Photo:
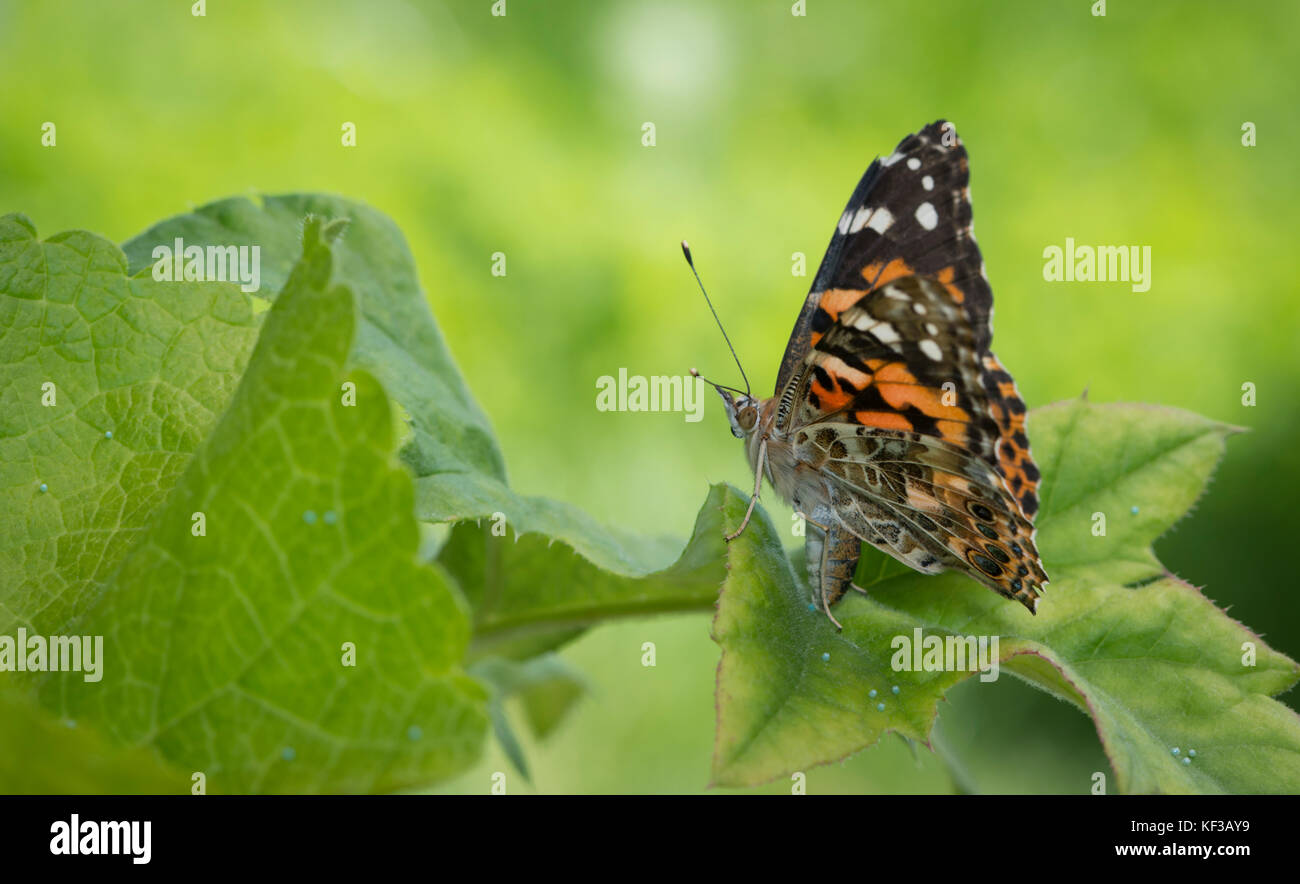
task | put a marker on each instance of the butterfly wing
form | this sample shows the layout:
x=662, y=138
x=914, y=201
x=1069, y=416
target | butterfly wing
x=928, y=503
x=889, y=388
x=910, y=214
x=1014, y=461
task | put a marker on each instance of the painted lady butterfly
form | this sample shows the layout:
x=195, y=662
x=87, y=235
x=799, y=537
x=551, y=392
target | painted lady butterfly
x=892, y=422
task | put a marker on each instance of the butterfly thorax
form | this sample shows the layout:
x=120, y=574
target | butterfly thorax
x=796, y=481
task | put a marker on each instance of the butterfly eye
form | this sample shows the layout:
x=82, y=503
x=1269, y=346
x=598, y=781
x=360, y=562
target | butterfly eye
x=747, y=417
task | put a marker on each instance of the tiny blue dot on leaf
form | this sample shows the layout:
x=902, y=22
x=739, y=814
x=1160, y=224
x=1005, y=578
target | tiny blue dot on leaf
x=1134, y=511
x=880, y=707
x=1187, y=761
x=330, y=517
x=826, y=657
x=44, y=488
x=108, y=434
x=1173, y=751
x=1191, y=753
x=812, y=607
x=872, y=693
x=309, y=517
x=894, y=690
x=287, y=753
x=414, y=733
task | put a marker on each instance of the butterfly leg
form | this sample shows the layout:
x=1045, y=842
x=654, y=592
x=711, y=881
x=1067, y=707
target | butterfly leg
x=758, y=487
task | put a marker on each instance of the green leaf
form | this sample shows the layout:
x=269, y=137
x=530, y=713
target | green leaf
x=459, y=471
x=452, y=451
x=554, y=689
x=155, y=364
x=110, y=386
x=1057, y=750
x=309, y=543
x=531, y=594
x=44, y=755
x=1153, y=661
x=547, y=687
x=458, y=468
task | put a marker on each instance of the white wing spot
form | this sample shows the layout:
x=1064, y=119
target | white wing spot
x=931, y=349
x=885, y=333
x=844, y=222
x=913, y=164
x=931, y=328
x=881, y=220
x=919, y=308
x=927, y=216
x=860, y=219
x=927, y=182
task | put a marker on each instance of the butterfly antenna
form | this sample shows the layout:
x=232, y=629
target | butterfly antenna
x=686, y=250
x=696, y=374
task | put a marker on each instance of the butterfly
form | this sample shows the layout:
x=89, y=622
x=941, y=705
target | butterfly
x=892, y=422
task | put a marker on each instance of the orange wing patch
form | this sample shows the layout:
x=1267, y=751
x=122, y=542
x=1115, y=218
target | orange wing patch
x=836, y=301
x=832, y=303
x=885, y=420
x=945, y=277
x=877, y=274
x=902, y=393
x=832, y=400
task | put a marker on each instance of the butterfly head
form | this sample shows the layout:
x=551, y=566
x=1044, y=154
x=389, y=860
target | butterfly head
x=742, y=408
x=742, y=411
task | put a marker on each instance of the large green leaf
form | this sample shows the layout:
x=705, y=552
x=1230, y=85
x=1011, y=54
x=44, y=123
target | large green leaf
x=397, y=339
x=144, y=373
x=110, y=384
x=1155, y=663
x=43, y=755
x=225, y=649
x=530, y=594
x=458, y=468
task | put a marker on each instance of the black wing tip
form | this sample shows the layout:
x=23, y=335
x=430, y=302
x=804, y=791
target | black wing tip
x=942, y=133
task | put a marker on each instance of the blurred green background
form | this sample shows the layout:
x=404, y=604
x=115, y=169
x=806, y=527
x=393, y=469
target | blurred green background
x=523, y=134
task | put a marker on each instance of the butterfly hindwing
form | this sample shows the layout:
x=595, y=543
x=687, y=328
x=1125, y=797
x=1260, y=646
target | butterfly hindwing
x=1008, y=410
x=927, y=503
